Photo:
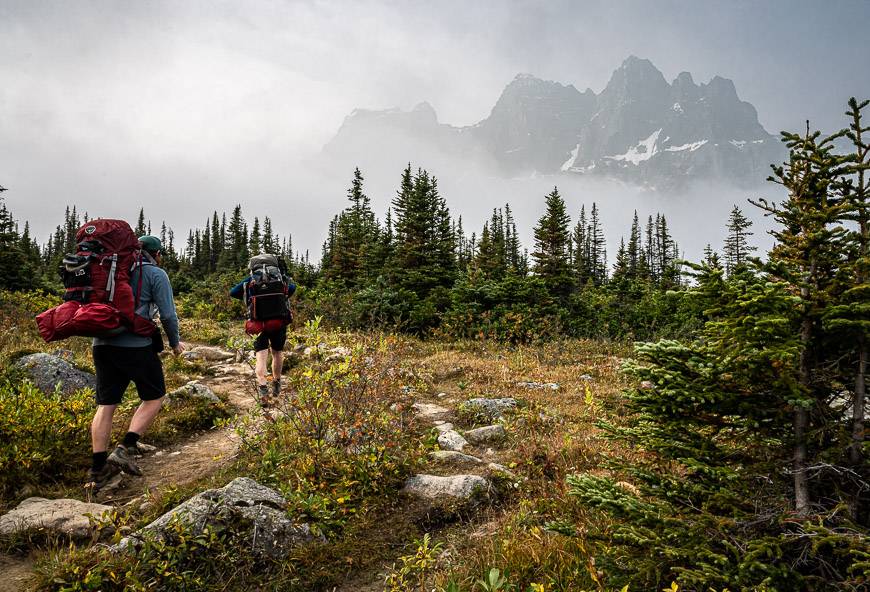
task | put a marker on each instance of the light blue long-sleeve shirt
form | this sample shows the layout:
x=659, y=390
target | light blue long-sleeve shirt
x=156, y=297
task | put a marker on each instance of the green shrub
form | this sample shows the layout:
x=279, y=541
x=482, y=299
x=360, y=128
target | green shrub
x=182, y=560
x=43, y=436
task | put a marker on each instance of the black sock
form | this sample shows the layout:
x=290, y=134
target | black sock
x=99, y=460
x=130, y=439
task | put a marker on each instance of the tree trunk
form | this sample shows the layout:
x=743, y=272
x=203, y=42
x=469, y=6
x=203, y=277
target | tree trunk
x=801, y=414
x=856, y=449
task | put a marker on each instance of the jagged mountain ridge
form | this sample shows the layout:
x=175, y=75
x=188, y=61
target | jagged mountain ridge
x=639, y=129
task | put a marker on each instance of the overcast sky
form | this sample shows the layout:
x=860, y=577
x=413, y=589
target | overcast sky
x=184, y=107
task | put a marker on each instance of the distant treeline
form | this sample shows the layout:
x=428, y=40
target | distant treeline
x=418, y=270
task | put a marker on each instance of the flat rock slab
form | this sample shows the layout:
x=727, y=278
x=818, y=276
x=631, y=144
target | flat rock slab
x=454, y=488
x=194, y=390
x=486, y=434
x=46, y=371
x=243, y=503
x=539, y=385
x=209, y=354
x=451, y=440
x=492, y=409
x=430, y=411
x=451, y=457
x=62, y=516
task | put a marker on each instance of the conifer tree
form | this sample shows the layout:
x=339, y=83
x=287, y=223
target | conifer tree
x=849, y=317
x=141, y=229
x=737, y=247
x=804, y=261
x=255, y=240
x=597, y=248
x=424, y=253
x=552, y=240
x=580, y=251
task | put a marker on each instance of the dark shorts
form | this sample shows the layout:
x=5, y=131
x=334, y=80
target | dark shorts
x=276, y=339
x=118, y=366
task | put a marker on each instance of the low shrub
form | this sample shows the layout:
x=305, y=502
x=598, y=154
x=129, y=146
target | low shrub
x=45, y=437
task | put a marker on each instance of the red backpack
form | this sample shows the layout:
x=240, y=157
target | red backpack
x=98, y=301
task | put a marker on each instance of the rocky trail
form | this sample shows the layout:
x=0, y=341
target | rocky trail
x=459, y=477
x=186, y=461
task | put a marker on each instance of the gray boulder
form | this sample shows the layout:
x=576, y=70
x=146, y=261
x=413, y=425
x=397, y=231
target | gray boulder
x=491, y=409
x=194, y=390
x=486, y=435
x=67, y=517
x=449, y=489
x=46, y=371
x=243, y=503
x=451, y=440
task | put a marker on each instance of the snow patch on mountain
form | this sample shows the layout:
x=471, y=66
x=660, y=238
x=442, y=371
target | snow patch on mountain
x=691, y=147
x=566, y=166
x=644, y=150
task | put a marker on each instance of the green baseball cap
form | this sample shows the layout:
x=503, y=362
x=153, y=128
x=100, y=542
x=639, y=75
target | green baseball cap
x=150, y=243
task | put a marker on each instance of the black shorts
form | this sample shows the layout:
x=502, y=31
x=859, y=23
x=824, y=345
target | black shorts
x=276, y=339
x=118, y=366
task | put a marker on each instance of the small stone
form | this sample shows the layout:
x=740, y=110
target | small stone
x=585, y=377
x=486, y=434
x=451, y=440
x=451, y=457
x=497, y=468
x=176, y=453
x=646, y=384
x=441, y=395
x=539, y=385
x=444, y=427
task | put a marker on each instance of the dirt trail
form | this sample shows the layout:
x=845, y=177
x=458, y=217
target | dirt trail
x=197, y=456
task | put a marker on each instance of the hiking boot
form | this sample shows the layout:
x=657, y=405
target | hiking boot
x=98, y=479
x=276, y=387
x=122, y=459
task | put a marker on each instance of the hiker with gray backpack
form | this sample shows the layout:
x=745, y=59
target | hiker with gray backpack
x=266, y=292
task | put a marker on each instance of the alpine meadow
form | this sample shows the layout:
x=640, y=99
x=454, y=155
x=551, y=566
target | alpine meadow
x=451, y=394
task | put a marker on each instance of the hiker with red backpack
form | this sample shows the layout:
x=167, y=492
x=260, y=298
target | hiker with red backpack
x=114, y=285
x=130, y=357
x=266, y=292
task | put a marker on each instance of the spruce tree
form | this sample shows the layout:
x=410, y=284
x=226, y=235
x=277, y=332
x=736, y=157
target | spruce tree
x=552, y=240
x=849, y=317
x=804, y=260
x=141, y=229
x=737, y=247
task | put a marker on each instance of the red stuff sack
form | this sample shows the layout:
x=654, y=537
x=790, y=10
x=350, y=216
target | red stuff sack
x=253, y=327
x=98, y=301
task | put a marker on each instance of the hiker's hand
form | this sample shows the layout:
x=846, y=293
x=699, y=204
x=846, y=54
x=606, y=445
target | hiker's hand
x=178, y=349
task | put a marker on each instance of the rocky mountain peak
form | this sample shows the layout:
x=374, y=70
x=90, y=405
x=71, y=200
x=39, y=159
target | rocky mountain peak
x=640, y=129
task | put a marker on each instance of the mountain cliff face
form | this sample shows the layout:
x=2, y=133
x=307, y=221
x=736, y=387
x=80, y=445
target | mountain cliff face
x=639, y=129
